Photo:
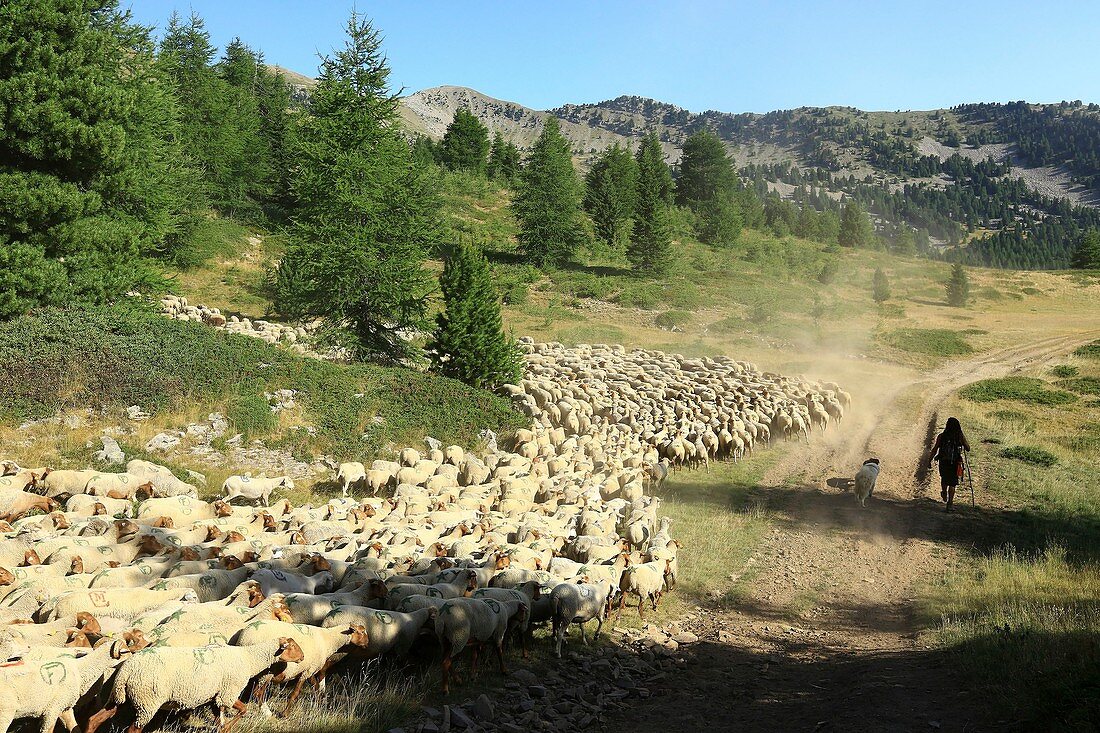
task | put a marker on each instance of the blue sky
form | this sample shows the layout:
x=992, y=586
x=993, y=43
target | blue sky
x=729, y=56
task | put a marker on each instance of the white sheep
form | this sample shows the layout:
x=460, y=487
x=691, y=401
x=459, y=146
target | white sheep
x=191, y=678
x=318, y=646
x=389, y=632
x=465, y=620
x=51, y=687
x=256, y=489
x=349, y=474
x=578, y=604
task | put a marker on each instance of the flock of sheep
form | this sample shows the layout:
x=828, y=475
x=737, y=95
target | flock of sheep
x=126, y=591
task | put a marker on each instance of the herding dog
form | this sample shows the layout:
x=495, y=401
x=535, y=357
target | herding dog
x=865, y=480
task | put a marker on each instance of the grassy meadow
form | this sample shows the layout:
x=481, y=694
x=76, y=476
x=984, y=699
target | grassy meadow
x=1030, y=602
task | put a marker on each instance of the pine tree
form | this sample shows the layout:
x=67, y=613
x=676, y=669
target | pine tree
x=650, y=247
x=881, y=287
x=547, y=204
x=469, y=343
x=1087, y=254
x=610, y=188
x=504, y=160
x=958, y=286
x=88, y=155
x=424, y=151
x=465, y=145
x=855, y=227
x=709, y=186
x=366, y=216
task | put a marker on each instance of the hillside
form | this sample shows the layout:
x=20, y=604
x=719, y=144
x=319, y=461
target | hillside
x=998, y=185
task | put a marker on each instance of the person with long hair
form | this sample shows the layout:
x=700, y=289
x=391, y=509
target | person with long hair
x=948, y=450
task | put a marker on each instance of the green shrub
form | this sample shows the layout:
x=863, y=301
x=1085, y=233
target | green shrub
x=1089, y=351
x=1064, y=370
x=928, y=341
x=640, y=295
x=1030, y=454
x=113, y=357
x=1011, y=416
x=669, y=319
x=1021, y=389
x=1032, y=291
x=1082, y=385
x=249, y=413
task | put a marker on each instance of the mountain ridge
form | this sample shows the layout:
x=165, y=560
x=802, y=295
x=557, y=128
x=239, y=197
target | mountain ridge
x=998, y=184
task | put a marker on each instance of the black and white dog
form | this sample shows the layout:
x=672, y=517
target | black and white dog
x=865, y=480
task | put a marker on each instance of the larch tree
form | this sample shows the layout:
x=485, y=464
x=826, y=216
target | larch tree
x=1086, y=256
x=504, y=160
x=958, y=286
x=855, y=227
x=650, y=248
x=469, y=343
x=465, y=144
x=365, y=213
x=547, y=204
x=880, y=287
x=88, y=154
x=709, y=186
x=610, y=190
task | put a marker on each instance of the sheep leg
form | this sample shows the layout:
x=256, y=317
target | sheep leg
x=500, y=656
x=448, y=663
x=100, y=718
x=240, y=707
x=619, y=611
x=293, y=696
x=68, y=719
x=473, y=665
x=641, y=602
x=599, y=625
x=584, y=638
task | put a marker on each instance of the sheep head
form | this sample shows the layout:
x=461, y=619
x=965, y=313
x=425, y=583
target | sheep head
x=30, y=557
x=222, y=509
x=76, y=567
x=135, y=640
x=357, y=635
x=231, y=562
x=289, y=651
x=6, y=577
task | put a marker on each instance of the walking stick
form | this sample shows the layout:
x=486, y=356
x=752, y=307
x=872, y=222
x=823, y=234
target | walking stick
x=969, y=478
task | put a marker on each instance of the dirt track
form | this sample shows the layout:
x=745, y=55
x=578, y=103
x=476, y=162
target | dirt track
x=827, y=639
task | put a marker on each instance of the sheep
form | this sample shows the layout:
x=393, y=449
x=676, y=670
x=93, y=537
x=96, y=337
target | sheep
x=276, y=581
x=647, y=581
x=190, y=678
x=256, y=489
x=578, y=604
x=64, y=483
x=164, y=482
x=463, y=585
x=115, y=602
x=312, y=609
x=66, y=681
x=114, y=485
x=318, y=646
x=93, y=505
x=182, y=510
x=388, y=632
x=349, y=474
x=465, y=620
x=15, y=504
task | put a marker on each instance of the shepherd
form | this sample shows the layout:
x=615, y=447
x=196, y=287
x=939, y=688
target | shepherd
x=948, y=450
